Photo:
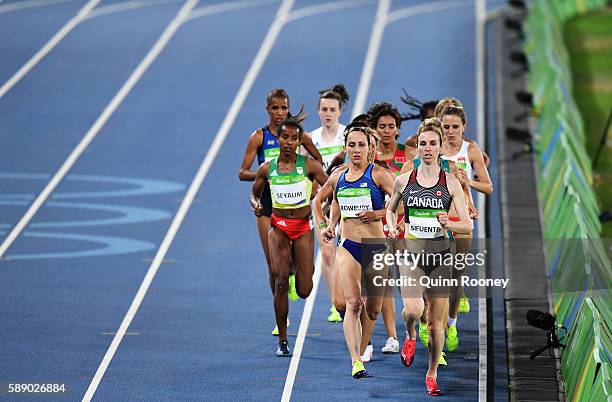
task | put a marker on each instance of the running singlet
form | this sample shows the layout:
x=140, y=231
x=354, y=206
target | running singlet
x=462, y=159
x=289, y=190
x=328, y=150
x=359, y=195
x=269, y=147
x=422, y=204
x=399, y=158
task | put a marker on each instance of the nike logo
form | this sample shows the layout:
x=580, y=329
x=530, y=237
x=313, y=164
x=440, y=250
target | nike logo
x=415, y=191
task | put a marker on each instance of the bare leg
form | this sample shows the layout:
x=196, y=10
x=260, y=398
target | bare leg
x=263, y=226
x=350, y=276
x=279, y=271
x=303, y=250
x=327, y=264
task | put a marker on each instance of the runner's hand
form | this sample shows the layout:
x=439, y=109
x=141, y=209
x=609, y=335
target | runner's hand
x=367, y=216
x=472, y=211
x=328, y=234
x=256, y=206
x=442, y=218
x=465, y=178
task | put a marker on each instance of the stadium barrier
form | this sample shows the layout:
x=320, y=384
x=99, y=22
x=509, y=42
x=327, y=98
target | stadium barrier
x=577, y=262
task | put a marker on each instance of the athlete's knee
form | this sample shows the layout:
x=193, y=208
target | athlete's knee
x=435, y=327
x=354, y=304
x=373, y=314
x=327, y=255
x=304, y=290
x=281, y=284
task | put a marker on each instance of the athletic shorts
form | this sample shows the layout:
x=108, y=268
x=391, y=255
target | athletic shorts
x=362, y=253
x=293, y=228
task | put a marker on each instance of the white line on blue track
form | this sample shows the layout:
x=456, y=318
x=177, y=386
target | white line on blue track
x=230, y=117
x=57, y=38
x=481, y=9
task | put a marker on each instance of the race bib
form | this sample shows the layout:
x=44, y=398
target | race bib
x=423, y=223
x=353, y=201
x=288, y=191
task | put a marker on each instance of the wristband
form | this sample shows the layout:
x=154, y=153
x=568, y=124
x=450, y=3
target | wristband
x=323, y=225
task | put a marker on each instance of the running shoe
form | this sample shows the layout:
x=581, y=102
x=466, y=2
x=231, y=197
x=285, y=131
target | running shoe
x=334, y=316
x=432, y=386
x=391, y=346
x=442, y=360
x=464, y=305
x=359, y=370
x=408, y=350
x=452, y=340
x=367, y=355
x=293, y=296
x=423, y=334
x=283, y=349
x=275, y=330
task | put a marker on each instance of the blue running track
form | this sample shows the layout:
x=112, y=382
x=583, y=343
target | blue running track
x=202, y=331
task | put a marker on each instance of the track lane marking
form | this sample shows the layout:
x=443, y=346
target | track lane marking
x=230, y=117
x=57, y=38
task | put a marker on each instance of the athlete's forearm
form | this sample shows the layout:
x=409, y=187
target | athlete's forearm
x=486, y=188
x=391, y=218
x=317, y=210
x=461, y=227
x=246, y=175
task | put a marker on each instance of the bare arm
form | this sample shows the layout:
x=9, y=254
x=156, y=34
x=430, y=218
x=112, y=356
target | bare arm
x=329, y=232
x=411, y=142
x=408, y=166
x=315, y=170
x=458, y=202
x=245, y=173
x=317, y=204
x=472, y=211
x=337, y=161
x=261, y=178
x=394, y=202
x=483, y=184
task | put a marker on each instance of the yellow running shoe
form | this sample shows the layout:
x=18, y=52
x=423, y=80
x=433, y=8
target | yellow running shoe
x=452, y=340
x=464, y=305
x=442, y=360
x=334, y=316
x=359, y=370
x=293, y=296
x=275, y=330
x=423, y=334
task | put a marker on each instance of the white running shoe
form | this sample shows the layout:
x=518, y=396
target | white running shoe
x=367, y=355
x=391, y=346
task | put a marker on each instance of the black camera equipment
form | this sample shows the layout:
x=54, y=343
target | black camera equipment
x=545, y=321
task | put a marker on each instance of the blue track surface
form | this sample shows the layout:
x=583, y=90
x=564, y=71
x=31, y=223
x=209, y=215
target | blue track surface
x=203, y=329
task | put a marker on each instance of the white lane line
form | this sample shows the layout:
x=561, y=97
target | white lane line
x=481, y=9
x=384, y=18
x=65, y=30
x=128, y=5
x=230, y=117
x=228, y=6
x=383, y=7
x=98, y=124
x=372, y=54
x=424, y=9
x=326, y=8
x=23, y=5
x=302, y=331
